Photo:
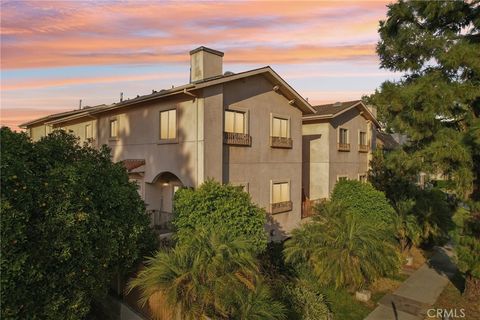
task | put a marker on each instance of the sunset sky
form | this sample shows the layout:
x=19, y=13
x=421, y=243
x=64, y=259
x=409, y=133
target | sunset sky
x=55, y=53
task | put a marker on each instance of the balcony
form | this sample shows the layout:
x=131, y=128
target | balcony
x=237, y=139
x=281, y=142
x=343, y=146
x=362, y=148
x=281, y=207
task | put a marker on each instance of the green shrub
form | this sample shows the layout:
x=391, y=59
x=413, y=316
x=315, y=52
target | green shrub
x=364, y=201
x=213, y=276
x=307, y=302
x=70, y=221
x=213, y=206
x=343, y=249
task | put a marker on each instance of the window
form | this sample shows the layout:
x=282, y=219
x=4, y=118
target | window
x=280, y=192
x=342, y=178
x=343, y=136
x=280, y=127
x=113, y=128
x=235, y=121
x=88, y=131
x=362, y=177
x=168, y=124
x=362, y=138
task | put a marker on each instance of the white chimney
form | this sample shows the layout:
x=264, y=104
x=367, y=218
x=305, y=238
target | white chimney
x=205, y=63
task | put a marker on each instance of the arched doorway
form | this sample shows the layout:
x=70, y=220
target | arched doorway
x=159, y=200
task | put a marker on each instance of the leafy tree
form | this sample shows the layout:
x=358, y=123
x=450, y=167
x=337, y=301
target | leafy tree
x=343, y=249
x=437, y=102
x=70, y=221
x=213, y=205
x=467, y=240
x=392, y=177
x=364, y=201
x=212, y=275
x=434, y=215
x=407, y=230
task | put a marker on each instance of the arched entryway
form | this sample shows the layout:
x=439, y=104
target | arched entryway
x=159, y=199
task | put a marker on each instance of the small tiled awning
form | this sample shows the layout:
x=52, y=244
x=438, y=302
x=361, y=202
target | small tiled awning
x=132, y=164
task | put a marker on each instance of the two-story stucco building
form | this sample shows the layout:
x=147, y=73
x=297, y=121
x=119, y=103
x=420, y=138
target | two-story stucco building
x=243, y=129
x=337, y=144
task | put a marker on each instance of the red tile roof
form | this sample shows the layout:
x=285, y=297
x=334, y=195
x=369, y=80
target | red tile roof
x=131, y=164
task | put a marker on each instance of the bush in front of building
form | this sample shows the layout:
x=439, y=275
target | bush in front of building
x=342, y=249
x=213, y=206
x=70, y=221
x=364, y=202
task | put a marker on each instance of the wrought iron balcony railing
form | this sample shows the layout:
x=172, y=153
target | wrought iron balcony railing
x=237, y=139
x=362, y=148
x=281, y=207
x=343, y=146
x=281, y=142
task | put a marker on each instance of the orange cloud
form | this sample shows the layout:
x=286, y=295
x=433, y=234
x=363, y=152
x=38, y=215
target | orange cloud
x=36, y=84
x=65, y=33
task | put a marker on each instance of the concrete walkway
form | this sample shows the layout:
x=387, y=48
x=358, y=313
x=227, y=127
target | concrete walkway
x=419, y=292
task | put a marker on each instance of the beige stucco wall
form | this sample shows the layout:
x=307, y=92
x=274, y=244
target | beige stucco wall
x=37, y=132
x=316, y=160
x=353, y=162
x=138, y=138
x=260, y=164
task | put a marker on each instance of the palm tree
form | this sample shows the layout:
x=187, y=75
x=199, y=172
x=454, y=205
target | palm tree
x=341, y=249
x=195, y=280
x=406, y=226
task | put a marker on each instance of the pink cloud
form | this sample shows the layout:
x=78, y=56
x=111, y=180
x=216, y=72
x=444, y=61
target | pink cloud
x=66, y=33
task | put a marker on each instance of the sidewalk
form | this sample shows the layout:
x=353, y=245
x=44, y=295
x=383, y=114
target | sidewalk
x=419, y=292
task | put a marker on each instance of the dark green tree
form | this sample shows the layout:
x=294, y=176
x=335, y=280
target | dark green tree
x=436, y=104
x=214, y=205
x=70, y=221
x=436, y=45
x=364, y=201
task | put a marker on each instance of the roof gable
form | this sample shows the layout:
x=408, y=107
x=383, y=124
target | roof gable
x=330, y=111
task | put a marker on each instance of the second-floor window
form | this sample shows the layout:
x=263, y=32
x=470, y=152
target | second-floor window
x=343, y=136
x=168, y=124
x=113, y=128
x=235, y=121
x=280, y=127
x=362, y=138
x=88, y=131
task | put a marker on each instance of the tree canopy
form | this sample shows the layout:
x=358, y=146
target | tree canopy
x=212, y=206
x=435, y=45
x=70, y=221
x=364, y=201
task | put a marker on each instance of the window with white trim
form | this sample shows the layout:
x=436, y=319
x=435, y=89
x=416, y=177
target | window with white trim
x=235, y=121
x=343, y=136
x=280, y=127
x=342, y=178
x=362, y=138
x=114, y=128
x=88, y=131
x=168, y=124
x=280, y=192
